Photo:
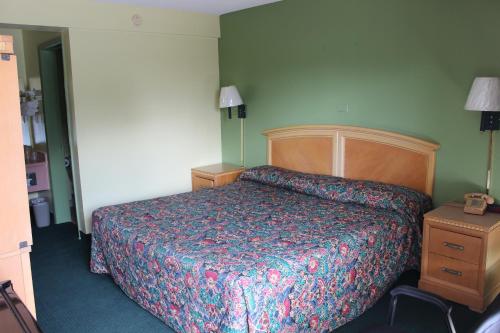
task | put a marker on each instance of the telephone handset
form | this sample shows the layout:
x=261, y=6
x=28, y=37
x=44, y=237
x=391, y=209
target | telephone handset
x=476, y=203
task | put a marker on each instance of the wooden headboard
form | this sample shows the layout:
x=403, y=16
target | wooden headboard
x=354, y=152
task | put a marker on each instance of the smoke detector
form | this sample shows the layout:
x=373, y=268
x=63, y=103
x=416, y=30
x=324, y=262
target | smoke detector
x=136, y=20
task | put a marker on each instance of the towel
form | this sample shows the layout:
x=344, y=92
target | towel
x=39, y=129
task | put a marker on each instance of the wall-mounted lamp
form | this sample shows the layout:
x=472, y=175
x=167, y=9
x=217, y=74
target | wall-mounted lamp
x=484, y=96
x=230, y=97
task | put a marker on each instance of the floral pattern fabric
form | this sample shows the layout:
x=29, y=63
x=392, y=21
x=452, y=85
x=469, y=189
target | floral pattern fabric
x=278, y=251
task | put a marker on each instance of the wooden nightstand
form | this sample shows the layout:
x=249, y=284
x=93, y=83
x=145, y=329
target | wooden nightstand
x=214, y=175
x=461, y=256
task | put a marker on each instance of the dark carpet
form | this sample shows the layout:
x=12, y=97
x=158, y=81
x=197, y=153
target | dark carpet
x=69, y=298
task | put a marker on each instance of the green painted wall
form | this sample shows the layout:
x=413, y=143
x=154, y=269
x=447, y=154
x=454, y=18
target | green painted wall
x=400, y=65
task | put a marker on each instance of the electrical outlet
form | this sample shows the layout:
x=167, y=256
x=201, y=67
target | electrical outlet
x=343, y=109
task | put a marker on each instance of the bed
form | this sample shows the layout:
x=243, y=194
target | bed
x=306, y=243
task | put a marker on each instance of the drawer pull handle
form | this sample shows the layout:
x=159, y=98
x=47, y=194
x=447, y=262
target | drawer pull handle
x=451, y=271
x=453, y=246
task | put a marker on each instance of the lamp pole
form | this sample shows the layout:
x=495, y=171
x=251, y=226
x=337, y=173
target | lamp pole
x=490, y=163
x=242, y=142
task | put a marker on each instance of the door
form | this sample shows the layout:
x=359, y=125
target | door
x=15, y=227
x=14, y=211
x=54, y=107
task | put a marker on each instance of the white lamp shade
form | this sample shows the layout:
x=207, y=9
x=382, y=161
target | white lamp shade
x=484, y=95
x=229, y=97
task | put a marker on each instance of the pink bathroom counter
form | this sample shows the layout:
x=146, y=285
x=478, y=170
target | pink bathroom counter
x=41, y=171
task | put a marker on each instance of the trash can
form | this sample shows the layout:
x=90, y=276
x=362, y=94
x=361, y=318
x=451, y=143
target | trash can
x=41, y=211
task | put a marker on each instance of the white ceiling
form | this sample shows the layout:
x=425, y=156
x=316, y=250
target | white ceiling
x=202, y=6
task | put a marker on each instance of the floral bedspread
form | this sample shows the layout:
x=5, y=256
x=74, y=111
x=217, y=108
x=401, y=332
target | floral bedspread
x=278, y=251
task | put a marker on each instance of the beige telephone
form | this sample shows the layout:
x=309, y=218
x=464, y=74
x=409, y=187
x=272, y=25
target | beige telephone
x=476, y=203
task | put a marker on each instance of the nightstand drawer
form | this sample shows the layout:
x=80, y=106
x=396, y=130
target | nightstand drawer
x=453, y=271
x=455, y=245
x=215, y=175
x=199, y=183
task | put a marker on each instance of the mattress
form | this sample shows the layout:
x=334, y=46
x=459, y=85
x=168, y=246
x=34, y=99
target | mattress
x=277, y=251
